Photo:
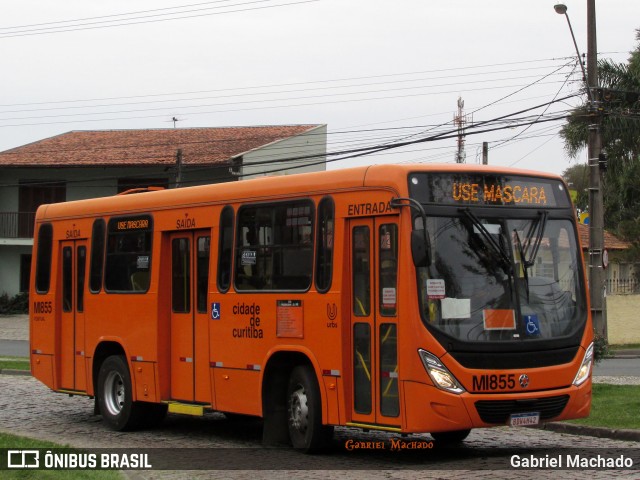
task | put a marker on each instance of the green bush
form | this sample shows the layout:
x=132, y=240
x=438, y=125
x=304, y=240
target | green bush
x=600, y=348
x=14, y=305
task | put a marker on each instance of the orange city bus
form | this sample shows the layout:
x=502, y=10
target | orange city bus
x=405, y=298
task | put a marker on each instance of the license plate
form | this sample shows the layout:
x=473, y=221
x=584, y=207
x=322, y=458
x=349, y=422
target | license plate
x=524, y=419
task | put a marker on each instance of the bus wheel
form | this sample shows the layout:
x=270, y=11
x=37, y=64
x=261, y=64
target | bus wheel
x=304, y=411
x=455, y=436
x=115, y=396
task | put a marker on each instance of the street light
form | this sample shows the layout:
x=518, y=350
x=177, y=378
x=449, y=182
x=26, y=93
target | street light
x=561, y=9
x=594, y=147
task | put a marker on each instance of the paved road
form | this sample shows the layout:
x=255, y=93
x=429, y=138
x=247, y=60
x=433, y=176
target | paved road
x=618, y=366
x=14, y=348
x=29, y=408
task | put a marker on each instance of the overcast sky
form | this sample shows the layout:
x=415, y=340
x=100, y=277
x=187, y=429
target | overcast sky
x=375, y=71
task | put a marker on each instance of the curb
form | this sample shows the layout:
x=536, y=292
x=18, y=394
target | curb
x=599, y=432
x=9, y=371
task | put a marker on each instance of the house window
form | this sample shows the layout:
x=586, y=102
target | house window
x=32, y=194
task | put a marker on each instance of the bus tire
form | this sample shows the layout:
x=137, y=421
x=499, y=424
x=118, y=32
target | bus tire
x=115, y=396
x=455, y=436
x=304, y=411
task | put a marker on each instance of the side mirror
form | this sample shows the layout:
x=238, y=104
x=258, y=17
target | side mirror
x=420, y=248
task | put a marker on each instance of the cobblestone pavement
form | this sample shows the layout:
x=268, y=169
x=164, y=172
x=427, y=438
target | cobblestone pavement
x=28, y=408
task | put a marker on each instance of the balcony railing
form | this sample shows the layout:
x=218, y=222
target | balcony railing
x=16, y=224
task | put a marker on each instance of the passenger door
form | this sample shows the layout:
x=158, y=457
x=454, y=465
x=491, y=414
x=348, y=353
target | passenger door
x=73, y=268
x=374, y=320
x=190, y=252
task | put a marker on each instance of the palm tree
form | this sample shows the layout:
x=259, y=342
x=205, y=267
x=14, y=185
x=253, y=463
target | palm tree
x=620, y=130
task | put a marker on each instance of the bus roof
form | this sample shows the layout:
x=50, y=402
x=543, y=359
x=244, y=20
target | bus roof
x=388, y=176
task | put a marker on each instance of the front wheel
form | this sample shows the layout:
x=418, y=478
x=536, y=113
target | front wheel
x=115, y=397
x=304, y=411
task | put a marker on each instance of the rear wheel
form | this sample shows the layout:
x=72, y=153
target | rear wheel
x=304, y=411
x=115, y=397
x=455, y=436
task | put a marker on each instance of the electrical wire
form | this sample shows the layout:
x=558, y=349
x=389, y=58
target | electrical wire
x=137, y=21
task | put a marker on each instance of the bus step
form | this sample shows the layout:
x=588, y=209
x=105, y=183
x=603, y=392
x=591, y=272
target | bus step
x=186, y=409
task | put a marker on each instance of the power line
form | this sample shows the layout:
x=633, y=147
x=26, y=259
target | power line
x=126, y=22
x=113, y=15
x=362, y=151
x=229, y=110
x=312, y=82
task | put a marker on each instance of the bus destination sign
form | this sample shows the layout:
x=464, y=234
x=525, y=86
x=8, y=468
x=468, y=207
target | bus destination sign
x=492, y=194
x=493, y=190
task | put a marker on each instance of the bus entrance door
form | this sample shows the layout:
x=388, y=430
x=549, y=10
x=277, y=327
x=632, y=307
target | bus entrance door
x=189, y=319
x=374, y=321
x=72, y=373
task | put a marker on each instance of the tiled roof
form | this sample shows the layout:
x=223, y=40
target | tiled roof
x=611, y=242
x=200, y=146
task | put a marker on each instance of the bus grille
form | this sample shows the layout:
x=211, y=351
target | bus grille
x=498, y=411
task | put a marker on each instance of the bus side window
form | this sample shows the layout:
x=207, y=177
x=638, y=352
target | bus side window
x=67, y=279
x=97, y=255
x=324, y=245
x=361, y=272
x=128, y=257
x=225, y=249
x=274, y=246
x=388, y=272
x=43, y=261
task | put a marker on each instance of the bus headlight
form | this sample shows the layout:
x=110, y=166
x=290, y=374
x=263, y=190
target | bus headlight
x=585, y=368
x=441, y=377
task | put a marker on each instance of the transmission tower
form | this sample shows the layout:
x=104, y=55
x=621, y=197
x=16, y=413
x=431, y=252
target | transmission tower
x=461, y=120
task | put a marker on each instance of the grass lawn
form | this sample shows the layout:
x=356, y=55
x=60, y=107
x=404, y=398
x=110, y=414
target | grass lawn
x=14, y=363
x=624, y=346
x=15, y=442
x=614, y=406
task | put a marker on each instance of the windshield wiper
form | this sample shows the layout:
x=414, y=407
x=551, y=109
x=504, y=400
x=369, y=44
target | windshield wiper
x=523, y=261
x=529, y=260
x=497, y=248
x=536, y=245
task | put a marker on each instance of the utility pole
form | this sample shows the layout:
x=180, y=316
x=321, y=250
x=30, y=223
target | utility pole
x=485, y=153
x=596, y=207
x=178, y=168
x=594, y=149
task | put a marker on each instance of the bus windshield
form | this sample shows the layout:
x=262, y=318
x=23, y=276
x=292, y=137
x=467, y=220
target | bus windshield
x=501, y=279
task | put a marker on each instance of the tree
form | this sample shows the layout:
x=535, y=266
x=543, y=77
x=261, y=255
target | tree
x=620, y=129
x=577, y=177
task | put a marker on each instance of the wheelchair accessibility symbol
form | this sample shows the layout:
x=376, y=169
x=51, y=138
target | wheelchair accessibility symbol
x=215, y=311
x=532, y=325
